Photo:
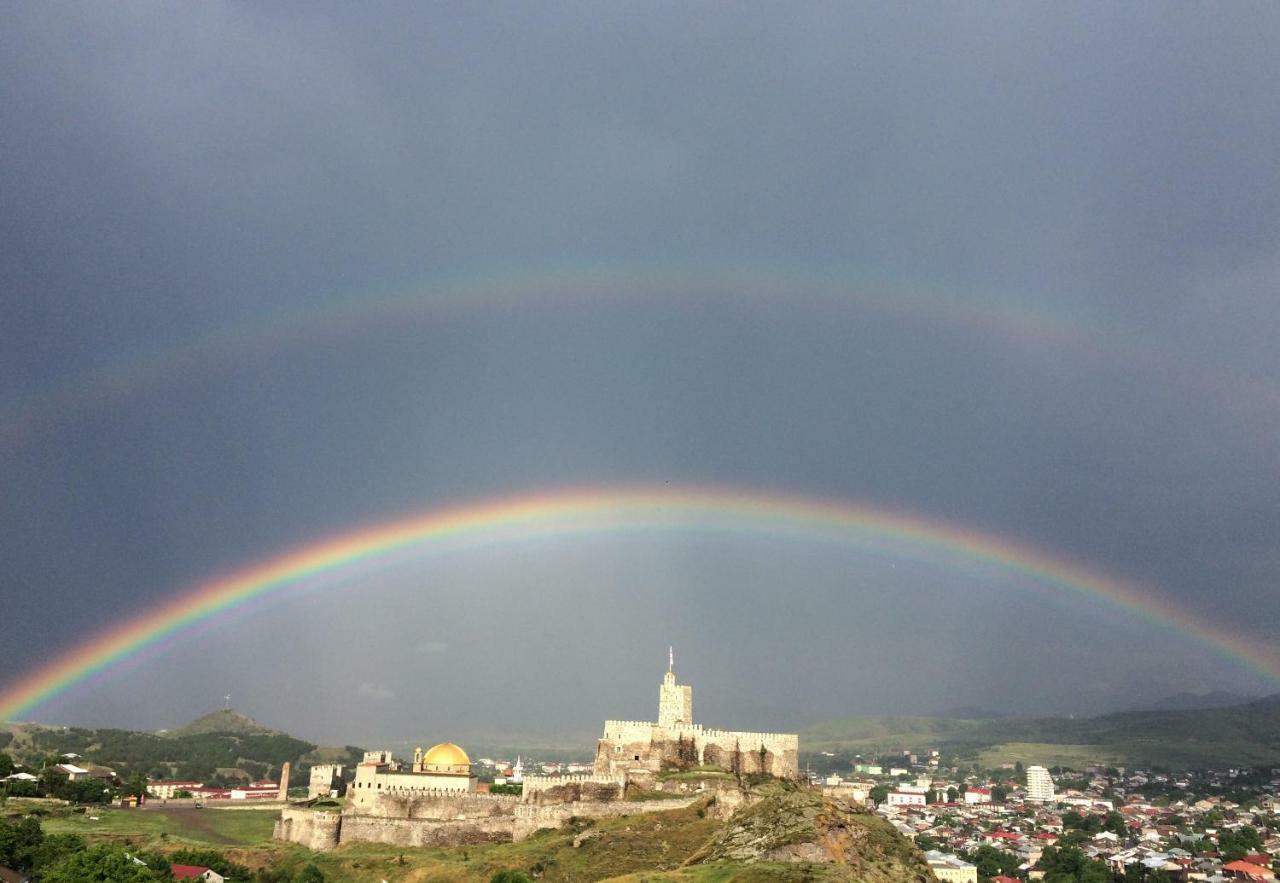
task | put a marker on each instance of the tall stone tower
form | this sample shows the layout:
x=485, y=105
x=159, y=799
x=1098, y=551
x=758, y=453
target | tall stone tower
x=283, y=797
x=675, y=701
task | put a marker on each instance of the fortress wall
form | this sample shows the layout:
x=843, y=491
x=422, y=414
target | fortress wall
x=530, y=818
x=427, y=832
x=314, y=830
x=440, y=805
x=628, y=731
x=551, y=789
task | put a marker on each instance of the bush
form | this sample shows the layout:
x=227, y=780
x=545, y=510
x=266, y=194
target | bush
x=510, y=876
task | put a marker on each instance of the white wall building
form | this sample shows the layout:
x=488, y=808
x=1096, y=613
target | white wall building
x=905, y=798
x=1039, y=784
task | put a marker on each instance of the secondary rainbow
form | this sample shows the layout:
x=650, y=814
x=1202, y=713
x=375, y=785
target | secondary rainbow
x=1018, y=321
x=578, y=513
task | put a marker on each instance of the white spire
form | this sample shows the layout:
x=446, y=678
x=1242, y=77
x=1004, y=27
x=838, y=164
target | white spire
x=671, y=659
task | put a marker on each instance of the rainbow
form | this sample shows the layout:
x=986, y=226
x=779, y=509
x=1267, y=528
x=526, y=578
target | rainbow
x=578, y=513
x=324, y=319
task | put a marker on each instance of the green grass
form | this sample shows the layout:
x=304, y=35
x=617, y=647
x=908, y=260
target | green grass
x=155, y=828
x=1049, y=755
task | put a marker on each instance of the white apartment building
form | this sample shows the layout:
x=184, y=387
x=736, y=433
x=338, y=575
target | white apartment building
x=1039, y=784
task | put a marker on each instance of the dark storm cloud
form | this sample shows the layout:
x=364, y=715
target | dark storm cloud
x=170, y=170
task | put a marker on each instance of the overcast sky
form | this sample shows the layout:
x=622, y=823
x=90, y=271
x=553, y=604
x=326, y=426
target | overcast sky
x=1010, y=266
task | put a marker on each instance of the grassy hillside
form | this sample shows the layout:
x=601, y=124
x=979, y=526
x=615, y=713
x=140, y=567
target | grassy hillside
x=210, y=749
x=1247, y=734
x=802, y=833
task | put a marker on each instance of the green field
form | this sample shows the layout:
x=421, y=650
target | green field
x=157, y=827
x=1049, y=755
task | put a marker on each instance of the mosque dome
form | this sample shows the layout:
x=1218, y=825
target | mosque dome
x=446, y=758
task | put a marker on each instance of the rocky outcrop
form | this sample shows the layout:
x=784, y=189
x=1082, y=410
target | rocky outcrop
x=793, y=825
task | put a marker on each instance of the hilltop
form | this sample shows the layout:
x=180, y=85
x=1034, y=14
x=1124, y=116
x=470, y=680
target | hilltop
x=224, y=721
x=803, y=827
x=1242, y=734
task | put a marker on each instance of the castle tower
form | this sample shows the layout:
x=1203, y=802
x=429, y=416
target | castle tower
x=675, y=701
x=284, y=783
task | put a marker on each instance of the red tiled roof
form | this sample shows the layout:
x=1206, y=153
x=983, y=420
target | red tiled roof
x=187, y=872
x=1248, y=869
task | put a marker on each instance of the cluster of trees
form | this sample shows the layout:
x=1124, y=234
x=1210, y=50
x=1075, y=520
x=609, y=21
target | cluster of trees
x=1090, y=824
x=1068, y=864
x=1235, y=845
x=196, y=756
x=992, y=862
x=67, y=858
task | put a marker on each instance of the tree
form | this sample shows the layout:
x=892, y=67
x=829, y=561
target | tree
x=211, y=858
x=952, y=794
x=6, y=765
x=879, y=794
x=993, y=862
x=55, y=848
x=1070, y=865
x=928, y=842
x=18, y=842
x=136, y=786
x=102, y=864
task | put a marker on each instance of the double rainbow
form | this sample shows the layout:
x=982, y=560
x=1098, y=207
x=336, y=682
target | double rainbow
x=580, y=513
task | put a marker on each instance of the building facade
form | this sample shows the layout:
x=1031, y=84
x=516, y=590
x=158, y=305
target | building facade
x=442, y=768
x=1039, y=784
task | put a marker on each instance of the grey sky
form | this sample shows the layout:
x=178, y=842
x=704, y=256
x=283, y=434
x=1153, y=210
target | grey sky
x=1101, y=179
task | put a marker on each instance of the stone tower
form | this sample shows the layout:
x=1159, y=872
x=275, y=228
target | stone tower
x=675, y=701
x=284, y=783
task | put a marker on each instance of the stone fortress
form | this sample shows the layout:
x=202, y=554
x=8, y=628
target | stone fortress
x=434, y=800
x=634, y=749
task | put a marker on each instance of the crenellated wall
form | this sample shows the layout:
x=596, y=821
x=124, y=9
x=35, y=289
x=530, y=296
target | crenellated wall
x=631, y=746
x=570, y=788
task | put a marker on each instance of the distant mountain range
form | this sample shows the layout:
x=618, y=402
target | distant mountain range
x=1244, y=734
x=1192, y=701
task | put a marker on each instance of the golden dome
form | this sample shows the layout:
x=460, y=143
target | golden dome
x=446, y=754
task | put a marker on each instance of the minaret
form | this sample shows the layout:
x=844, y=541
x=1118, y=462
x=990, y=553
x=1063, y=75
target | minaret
x=675, y=701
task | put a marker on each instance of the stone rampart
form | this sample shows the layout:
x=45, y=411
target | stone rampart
x=318, y=831
x=530, y=817
x=427, y=832
x=439, y=805
x=574, y=788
